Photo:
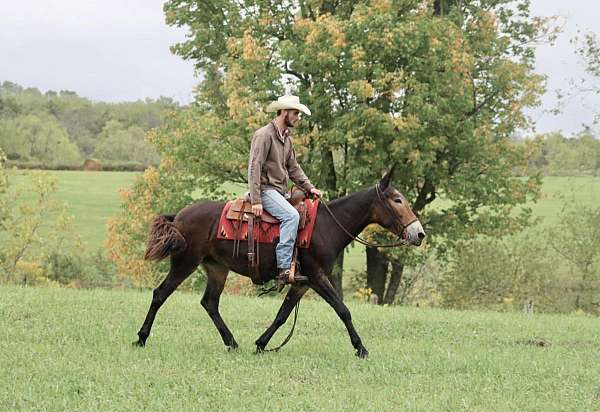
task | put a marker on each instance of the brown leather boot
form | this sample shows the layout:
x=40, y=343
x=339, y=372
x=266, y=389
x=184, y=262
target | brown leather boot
x=285, y=276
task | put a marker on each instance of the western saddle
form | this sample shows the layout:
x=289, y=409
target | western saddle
x=241, y=211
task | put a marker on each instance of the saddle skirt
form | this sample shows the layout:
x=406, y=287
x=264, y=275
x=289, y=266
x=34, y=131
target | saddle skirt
x=233, y=223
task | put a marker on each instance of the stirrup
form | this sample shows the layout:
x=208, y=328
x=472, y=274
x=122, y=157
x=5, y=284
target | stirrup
x=289, y=277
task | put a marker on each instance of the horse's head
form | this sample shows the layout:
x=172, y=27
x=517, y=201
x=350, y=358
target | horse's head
x=392, y=211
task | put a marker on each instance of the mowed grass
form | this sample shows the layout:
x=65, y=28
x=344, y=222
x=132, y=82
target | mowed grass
x=64, y=349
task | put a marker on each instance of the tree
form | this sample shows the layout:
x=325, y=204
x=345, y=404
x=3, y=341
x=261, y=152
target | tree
x=9, y=107
x=80, y=118
x=389, y=82
x=561, y=156
x=147, y=114
x=120, y=144
x=24, y=246
x=587, y=47
x=156, y=190
x=10, y=89
x=38, y=139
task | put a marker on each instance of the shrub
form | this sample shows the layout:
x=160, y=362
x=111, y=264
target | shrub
x=499, y=273
x=80, y=270
x=576, y=239
x=25, y=209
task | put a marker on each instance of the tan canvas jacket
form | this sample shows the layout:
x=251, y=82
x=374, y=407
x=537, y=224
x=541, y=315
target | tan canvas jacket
x=272, y=162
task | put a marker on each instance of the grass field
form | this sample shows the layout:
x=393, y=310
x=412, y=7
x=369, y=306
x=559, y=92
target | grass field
x=558, y=192
x=64, y=349
x=92, y=198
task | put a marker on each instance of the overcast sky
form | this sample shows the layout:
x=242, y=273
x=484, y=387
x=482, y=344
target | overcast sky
x=118, y=50
x=109, y=50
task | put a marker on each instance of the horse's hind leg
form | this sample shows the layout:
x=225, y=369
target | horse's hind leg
x=216, y=275
x=181, y=268
x=291, y=299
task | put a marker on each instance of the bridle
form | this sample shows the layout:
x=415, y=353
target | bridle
x=396, y=218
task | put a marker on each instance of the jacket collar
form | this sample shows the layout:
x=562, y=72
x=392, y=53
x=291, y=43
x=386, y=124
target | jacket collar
x=281, y=134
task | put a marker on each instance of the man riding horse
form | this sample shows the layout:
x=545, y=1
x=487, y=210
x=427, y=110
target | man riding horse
x=272, y=160
x=191, y=237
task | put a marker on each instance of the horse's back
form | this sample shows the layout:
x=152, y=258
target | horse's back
x=199, y=220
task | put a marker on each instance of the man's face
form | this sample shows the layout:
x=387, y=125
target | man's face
x=292, y=118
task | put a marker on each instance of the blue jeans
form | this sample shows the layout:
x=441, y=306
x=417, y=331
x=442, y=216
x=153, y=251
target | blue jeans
x=274, y=203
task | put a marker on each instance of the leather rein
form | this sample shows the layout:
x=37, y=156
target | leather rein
x=393, y=214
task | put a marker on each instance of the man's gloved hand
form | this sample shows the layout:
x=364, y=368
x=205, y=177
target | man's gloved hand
x=257, y=209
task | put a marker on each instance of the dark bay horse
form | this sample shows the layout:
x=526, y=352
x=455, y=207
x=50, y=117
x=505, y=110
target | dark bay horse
x=190, y=239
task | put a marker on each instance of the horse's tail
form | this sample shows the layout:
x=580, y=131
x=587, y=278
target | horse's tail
x=165, y=239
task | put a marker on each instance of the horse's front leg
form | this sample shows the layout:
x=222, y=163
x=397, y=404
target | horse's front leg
x=291, y=299
x=325, y=289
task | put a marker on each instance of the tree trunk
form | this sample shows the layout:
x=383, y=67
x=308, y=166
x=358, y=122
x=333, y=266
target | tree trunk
x=336, y=275
x=328, y=177
x=395, y=279
x=377, y=267
x=438, y=7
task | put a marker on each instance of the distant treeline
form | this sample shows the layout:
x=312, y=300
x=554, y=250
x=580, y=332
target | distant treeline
x=557, y=155
x=61, y=129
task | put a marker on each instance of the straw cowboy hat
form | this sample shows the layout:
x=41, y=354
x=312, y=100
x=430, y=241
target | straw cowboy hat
x=286, y=103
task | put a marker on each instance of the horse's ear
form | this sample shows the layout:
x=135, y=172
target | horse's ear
x=386, y=179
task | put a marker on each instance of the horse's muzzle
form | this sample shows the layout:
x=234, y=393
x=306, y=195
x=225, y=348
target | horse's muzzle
x=414, y=233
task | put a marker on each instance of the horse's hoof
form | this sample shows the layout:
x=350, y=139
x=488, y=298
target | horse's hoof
x=259, y=350
x=362, y=353
x=233, y=347
x=139, y=343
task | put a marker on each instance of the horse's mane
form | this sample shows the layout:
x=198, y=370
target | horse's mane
x=354, y=195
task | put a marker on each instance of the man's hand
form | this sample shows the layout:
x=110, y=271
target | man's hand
x=257, y=209
x=315, y=192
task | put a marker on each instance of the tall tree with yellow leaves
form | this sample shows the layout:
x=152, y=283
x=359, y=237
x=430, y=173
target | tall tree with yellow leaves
x=435, y=87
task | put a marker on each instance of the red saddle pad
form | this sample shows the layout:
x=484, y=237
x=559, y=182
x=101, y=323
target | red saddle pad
x=267, y=232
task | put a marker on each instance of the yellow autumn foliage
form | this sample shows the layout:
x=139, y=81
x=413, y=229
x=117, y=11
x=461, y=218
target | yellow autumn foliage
x=126, y=233
x=362, y=89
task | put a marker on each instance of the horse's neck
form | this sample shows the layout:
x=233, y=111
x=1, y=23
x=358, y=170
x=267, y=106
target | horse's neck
x=353, y=213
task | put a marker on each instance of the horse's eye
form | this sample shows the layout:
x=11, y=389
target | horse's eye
x=398, y=200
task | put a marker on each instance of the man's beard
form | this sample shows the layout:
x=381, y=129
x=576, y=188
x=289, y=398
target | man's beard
x=287, y=121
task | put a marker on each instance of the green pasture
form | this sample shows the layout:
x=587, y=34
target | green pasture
x=93, y=197
x=560, y=192
x=63, y=349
